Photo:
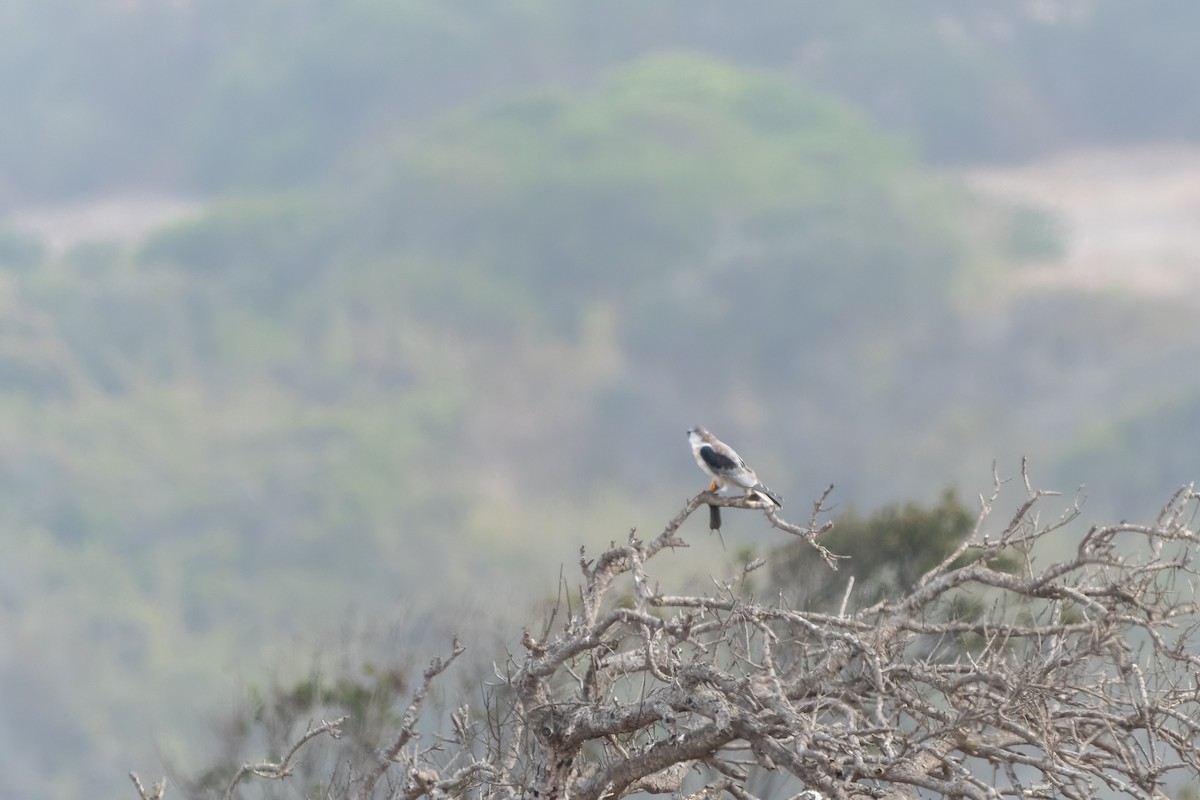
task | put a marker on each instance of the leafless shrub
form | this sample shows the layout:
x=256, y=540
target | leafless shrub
x=1070, y=680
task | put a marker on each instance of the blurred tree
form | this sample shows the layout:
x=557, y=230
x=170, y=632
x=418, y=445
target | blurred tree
x=891, y=550
x=1128, y=458
x=218, y=96
x=678, y=176
x=20, y=250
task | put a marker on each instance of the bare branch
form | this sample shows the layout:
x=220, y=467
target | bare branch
x=1051, y=680
x=156, y=791
x=283, y=767
x=392, y=753
x=808, y=532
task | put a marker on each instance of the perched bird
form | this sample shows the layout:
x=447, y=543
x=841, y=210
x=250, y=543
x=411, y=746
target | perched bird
x=725, y=466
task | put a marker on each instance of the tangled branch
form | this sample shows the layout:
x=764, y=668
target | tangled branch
x=979, y=683
x=982, y=681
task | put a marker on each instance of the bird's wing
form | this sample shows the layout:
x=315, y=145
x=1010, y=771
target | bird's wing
x=720, y=463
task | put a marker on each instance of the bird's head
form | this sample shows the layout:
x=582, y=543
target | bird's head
x=696, y=434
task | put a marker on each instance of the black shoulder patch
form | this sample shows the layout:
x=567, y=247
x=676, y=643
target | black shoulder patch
x=716, y=461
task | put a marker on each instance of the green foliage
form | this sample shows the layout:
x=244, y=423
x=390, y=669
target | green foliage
x=965, y=609
x=613, y=197
x=271, y=94
x=19, y=250
x=261, y=249
x=888, y=551
x=271, y=719
x=1032, y=234
x=1140, y=458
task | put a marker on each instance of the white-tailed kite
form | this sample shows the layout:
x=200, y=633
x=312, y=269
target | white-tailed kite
x=725, y=466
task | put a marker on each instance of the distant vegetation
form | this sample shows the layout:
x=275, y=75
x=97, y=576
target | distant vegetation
x=466, y=272
x=225, y=95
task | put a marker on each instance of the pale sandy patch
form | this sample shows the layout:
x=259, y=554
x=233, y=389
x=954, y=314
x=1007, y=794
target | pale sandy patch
x=120, y=219
x=1131, y=217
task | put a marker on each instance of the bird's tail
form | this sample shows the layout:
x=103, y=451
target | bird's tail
x=765, y=492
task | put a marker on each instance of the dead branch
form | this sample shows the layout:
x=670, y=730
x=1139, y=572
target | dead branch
x=1072, y=677
x=1045, y=680
x=283, y=767
x=423, y=779
x=155, y=792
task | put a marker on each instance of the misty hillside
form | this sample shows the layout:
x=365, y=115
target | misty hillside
x=420, y=297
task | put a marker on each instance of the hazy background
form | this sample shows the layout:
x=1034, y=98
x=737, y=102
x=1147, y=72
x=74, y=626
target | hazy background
x=321, y=311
